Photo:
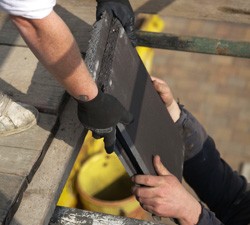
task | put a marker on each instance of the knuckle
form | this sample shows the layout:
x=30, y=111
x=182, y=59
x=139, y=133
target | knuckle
x=160, y=194
x=147, y=180
x=157, y=209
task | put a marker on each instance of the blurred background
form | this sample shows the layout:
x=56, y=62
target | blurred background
x=216, y=89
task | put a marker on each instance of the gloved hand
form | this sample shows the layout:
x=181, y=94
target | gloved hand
x=101, y=115
x=123, y=11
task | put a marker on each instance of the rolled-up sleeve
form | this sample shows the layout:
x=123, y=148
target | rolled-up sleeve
x=208, y=218
x=32, y=9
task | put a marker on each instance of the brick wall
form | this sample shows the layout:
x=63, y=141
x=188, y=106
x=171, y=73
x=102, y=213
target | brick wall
x=216, y=89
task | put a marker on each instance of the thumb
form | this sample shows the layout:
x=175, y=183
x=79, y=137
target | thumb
x=160, y=169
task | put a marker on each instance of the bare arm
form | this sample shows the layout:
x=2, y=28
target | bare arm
x=53, y=44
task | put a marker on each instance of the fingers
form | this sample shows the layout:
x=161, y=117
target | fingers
x=95, y=135
x=109, y=141
x=150, y=199
x=163, y=90
x=149, y=202
x=160, y=85
x=109, y=134
x=158, y=80
x=143, y=192
x=126, y=118
x=147, y=180
x=108, y=138
x=159, y=167
x=123, y=12
x=148, y=208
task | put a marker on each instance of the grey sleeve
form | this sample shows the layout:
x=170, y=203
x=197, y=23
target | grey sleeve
x=192, y=132
x=208, y=218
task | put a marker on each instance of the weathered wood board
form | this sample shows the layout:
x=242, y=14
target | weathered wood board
x=17, y=161
x=24, y=78
x=34, y=138
x=11, y=187
x=20, y=153
x=40, y=198
x=8, y=33
x=217, y=10
x=20, y=156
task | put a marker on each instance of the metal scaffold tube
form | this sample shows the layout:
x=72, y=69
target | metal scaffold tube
x=194, y=44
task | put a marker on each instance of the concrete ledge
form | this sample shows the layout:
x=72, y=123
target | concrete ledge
x=69, y=216
x=40, y=198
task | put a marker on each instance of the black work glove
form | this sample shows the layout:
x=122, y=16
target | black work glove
x=101, y=115
x=122, y=10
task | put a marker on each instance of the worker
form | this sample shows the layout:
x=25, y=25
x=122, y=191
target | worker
x=53, y=44
x=226, y=193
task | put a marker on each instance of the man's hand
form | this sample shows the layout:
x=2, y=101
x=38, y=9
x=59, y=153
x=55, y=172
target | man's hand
x=122, y=10
x=167, y=97
x=101, y=115
x=164, y=196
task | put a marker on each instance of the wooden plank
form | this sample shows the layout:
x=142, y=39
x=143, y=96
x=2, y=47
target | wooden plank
x=78, y=15
x=8, y=33
x=3, y=214
x=10, y=188
x=120, y=72
x=218, y=10
x=34, y=138
x=24, y=78
x=20, y=156
x=22, y=153
x=17, y=160
x=70, y=216
x=48, y=181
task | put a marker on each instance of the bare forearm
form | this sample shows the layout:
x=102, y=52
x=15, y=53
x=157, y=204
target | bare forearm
x=55, y=47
